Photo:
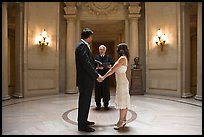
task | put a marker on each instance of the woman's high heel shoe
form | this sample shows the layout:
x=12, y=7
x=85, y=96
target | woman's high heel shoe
x=124, y=123
x=116, y=127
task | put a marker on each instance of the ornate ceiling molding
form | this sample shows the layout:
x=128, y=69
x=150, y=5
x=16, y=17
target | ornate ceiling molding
x=102, y=8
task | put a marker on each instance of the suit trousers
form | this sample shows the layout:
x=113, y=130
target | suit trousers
x=85, y=94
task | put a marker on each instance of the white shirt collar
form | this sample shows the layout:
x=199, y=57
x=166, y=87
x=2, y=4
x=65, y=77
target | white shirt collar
x=86, y=43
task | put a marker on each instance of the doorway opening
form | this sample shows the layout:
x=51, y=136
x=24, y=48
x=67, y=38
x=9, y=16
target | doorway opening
x=12, y=10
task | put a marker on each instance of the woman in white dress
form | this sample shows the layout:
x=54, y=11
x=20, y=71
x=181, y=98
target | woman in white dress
x=122, y=98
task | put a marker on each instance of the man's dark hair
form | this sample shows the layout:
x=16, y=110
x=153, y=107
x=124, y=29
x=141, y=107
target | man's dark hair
x=86, y=33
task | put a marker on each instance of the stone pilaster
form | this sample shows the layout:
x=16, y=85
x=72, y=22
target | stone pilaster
x=126, y=31
x=5, y=94
x=70, y=16
x=185, y=51
x=133, y=16
x=199, y=53
x=19, y=52
x=134, y=10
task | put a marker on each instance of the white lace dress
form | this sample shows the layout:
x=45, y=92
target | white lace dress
x=122, y=98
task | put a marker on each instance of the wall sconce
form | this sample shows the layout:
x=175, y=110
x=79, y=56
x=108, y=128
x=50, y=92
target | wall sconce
x=160, y=39
x=43, y=40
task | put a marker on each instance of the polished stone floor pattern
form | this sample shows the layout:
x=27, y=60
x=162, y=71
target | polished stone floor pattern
x=57, y=115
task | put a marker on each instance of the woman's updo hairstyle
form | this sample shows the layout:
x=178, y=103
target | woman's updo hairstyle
x=123, y=50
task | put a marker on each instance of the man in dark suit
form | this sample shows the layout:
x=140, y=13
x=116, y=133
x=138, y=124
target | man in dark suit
x=86, y=76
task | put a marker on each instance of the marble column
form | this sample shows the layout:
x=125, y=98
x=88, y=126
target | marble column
x=19, y=52
x=133, y=44
x=133, y=16
x=5, y=94
x=127, y=39
x=199, y=53
x=70, y=54
x=126, y=32
x=185, y=51
x=78, y=30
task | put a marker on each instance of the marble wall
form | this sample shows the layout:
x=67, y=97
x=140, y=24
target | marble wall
x=162, y=66
x=41, y=67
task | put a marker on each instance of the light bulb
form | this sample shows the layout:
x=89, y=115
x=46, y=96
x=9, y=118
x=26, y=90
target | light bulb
x=156, y=39
x=47, y=40
x=159, y=33
x=39, y=38
x=44, y=33
x=165, y=37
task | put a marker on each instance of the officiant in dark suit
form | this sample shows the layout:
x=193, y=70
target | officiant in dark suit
x=103, y=63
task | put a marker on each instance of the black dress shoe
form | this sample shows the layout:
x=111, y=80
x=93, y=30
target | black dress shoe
x=86, y=129
x=89, y=123
x=106, y=108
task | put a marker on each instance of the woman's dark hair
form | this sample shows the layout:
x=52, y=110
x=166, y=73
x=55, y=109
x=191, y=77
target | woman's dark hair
x=123, y=50
x=86, y=33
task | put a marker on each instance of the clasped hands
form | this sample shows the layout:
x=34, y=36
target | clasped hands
x=100, y=78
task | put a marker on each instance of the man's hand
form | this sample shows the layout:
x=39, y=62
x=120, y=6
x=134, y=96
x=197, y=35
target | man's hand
x=100, y=67
x=100, y=79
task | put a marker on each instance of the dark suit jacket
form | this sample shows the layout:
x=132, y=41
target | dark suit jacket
x=85, y=69
x=106, y=60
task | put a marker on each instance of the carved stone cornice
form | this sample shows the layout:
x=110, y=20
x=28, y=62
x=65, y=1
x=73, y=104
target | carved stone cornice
x=70, y=8
x=103, y=8
x=70, y=11
x=134, y=3
x=71, y=4
x=134, y=10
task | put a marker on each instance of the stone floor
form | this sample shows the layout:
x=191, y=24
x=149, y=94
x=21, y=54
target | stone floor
x=57, y=115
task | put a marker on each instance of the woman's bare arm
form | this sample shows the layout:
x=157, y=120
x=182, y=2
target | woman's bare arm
x=118, y=63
